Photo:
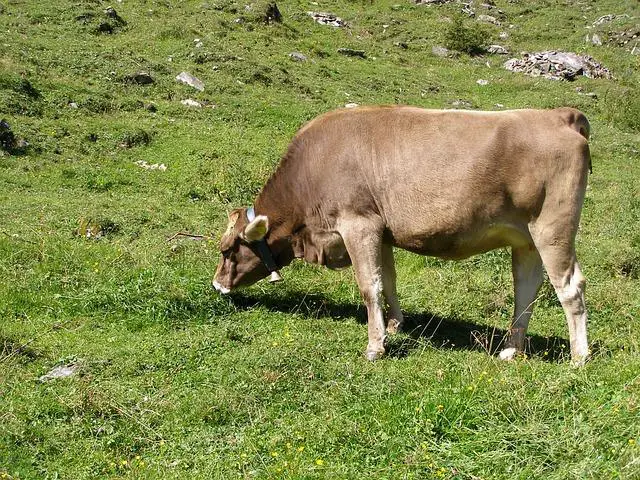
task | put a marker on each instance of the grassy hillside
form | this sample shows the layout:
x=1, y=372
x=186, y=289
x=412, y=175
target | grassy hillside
x=174, y=381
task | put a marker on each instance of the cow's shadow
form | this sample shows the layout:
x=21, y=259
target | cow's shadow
x=421, y=329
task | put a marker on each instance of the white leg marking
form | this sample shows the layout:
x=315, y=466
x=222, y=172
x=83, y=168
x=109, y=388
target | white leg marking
x=526, y=267
x=394, y=313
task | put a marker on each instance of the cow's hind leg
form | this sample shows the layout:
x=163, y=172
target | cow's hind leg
x=394, y=313
x=363, y=240
x=526, y=267
x=569, y=283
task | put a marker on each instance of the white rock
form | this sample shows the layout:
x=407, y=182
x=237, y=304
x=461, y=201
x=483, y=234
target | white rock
x=61, y=371
x=191, y=103
x=190, y=80
x=482, y=82
x=497, y=49
x=351, y=105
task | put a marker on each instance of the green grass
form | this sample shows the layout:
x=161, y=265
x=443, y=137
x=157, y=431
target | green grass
x=178, y=382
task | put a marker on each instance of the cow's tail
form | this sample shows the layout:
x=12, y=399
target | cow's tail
x=578, y=121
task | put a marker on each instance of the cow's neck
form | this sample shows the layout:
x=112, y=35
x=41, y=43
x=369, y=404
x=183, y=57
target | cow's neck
x=276, y=202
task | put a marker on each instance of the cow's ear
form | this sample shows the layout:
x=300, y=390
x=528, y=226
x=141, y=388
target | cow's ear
x=257, y=229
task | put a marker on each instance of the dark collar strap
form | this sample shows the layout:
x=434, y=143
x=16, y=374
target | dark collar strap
x=264, y=252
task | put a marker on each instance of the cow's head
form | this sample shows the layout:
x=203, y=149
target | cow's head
x=240, y=262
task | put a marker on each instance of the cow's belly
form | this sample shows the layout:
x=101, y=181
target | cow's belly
x=464, y=244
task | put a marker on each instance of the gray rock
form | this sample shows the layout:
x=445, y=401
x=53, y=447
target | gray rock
x=190, y=80
x=497, y=49
x=461, y=104
x=557, y=65
x=608, y=18
x=73, y=105
x=191, y=103
x=140, y=78
x=595, y=39
x=350, y=52
x=61, y=371
x=440, y=51
x=482, y=82
x=324, y=18
x=298, y=57
x=488, y=19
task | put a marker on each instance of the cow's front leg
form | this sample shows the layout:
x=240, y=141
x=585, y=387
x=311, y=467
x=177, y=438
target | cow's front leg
x=363, y=240
x=394, y=314
x=526, y=267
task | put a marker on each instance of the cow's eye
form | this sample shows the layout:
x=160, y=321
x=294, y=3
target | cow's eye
x=226, y=253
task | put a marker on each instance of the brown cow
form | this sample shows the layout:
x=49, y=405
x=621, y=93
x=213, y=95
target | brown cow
x=354, y=183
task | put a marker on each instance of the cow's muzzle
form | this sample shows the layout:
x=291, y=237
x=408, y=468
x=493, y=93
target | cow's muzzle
x=220, y=288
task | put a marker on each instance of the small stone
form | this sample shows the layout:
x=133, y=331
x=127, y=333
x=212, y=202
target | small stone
x=351, y=105
x=482, y=82
x=140, y=78
x=440, y=51
x=488, y=19
x=461, y=104
x=297, y=57
x=595, y=39
x=467, y=9
x=155, y=166
x=190, y=80
x=499, y=105
x=73, y=105
x=191, y=103
x=61, y=371
x=497, y=49
x=608, y=18
x=324, y=18
x=350, y=52
x=503, y=35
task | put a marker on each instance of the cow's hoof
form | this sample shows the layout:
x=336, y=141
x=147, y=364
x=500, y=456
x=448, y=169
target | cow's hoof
x=579, y=360
x=508, y=354
x=373, y=355
x=394, y=326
